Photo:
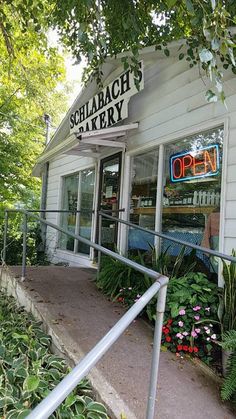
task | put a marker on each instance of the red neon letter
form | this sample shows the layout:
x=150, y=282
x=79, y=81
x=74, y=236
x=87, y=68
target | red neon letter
x=179, y=169
x=210, y=162
x=187, y=162
x=199, y=163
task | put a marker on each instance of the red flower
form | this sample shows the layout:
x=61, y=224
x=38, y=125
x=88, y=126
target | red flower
x=169, y=322
x=185, y=348
x=195, y=349
x=166, y=331
x=190, y=349
x=179, y=347
x=120, y=299
x=168, y=339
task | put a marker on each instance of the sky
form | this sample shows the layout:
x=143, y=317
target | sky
x=73, y=72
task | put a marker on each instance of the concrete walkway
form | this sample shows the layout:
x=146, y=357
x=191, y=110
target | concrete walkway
x=77, y=315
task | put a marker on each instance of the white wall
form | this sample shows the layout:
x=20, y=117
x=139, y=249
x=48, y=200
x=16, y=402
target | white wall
x=59, y=167
x=171, y=105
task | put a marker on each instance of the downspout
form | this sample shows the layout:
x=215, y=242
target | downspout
x=43, y=203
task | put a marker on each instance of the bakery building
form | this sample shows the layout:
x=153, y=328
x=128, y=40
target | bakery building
x=148, y=145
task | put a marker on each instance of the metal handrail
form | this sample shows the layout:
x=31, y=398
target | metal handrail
x=159, y=288
x=45, y=210
x=167, y=237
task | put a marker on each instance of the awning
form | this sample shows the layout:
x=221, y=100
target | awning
x=87, y=144
x=90, y=143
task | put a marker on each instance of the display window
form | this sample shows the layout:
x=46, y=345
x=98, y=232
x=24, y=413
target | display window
x=190, y=205
x=143, y=199
x=192, y=191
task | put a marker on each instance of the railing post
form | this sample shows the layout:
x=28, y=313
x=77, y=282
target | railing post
x=161, y=301
x=99, y=240
x=5, y=236
x=24, y=247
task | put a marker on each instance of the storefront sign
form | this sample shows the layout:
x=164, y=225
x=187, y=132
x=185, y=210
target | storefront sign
x=107, y=107
x=195, y=164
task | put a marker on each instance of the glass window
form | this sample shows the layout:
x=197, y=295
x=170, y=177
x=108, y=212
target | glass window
x=78, y=192
x=192, y=189
x=86, y=207
x=143, y=199
x=69, y=202
x=109, y=197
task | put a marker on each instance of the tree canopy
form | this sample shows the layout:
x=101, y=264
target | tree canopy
x=30, y=71
x=101, y=28
x=95, y=29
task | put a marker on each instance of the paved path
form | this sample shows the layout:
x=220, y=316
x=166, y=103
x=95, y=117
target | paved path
x=78, y=315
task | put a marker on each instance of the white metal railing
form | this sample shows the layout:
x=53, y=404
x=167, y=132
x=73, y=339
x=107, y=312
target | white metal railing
x=158, y=288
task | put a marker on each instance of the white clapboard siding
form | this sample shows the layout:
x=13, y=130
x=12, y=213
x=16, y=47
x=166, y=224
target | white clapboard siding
x=172, y=102
x=230, y=210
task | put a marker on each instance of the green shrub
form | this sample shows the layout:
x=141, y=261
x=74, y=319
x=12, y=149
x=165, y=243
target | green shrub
x=35, y=254
x=29, y=371
x=191, y=322
x=228, y=343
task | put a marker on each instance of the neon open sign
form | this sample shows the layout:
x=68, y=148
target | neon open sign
x=195, y=164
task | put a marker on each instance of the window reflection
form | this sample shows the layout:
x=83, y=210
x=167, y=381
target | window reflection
x=143, y=199
x=192, y=198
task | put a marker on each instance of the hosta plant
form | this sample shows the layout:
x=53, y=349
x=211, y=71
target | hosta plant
x=28, y=370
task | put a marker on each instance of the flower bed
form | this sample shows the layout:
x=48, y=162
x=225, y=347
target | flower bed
x=29, y=371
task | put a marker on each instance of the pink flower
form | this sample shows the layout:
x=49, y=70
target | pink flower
x=207, y=308
x=197, y=317
x=193, y=334
x=208, y=338
x=213, y=336
x=179, y=335
x=180, y=323
x=208, y=331
x=185, y=333
x=196, y=308
x=197, y=330
x=182, y=312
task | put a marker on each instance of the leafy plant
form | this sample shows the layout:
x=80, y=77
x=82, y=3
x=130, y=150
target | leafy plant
x=228, y=343
x=191, y=316
x=28, y=370
x=227, y=307
x=114, y=276
x=172, y=266
x=35, y=254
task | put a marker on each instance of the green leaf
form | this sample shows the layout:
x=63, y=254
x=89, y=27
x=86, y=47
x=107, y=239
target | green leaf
x=215, y=44
x=20, y=337
x=181, y=56
x=96, y=407
x=70, y=400
x=6, y=401
x=166, y=52
x=211, y=96
x=22, y=414
x=189, y=5
x=31, y=383
x=205, y=55
x=171, y=3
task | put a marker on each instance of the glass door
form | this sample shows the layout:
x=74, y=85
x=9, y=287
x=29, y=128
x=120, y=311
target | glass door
x=77, y=198
x=109, y=197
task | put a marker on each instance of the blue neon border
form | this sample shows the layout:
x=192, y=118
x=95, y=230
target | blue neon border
x=199, y=176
